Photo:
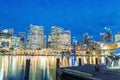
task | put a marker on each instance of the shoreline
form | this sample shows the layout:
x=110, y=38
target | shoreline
x=58, y=55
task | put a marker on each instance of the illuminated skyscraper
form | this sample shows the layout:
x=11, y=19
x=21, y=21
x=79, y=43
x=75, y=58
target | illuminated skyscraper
x=107, y=35
x=9, y=31
x=84, y=38
x=108, y=32
x=117, y=36
x=88, y=41
x=65, y=39
x=103, y=37
x=15, y=42
x=22, y=36
x=59, y=38
x=53, y=38
x=5, y=38
x=36, y=37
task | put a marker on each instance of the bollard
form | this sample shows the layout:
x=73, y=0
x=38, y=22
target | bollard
x=27, y=69
x=80, y=61
x=96, y=60
x=106, y=60
x=57, y=66
x=58, y=63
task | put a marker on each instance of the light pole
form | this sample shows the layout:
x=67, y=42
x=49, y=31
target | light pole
x=74, y=46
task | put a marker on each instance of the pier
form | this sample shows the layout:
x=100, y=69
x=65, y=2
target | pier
x=88, y=72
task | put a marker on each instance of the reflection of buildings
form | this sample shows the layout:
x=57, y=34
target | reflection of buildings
x=36, y=38
x=41, y=67
x=117, y=37
x=12, y=66
x=59, y=38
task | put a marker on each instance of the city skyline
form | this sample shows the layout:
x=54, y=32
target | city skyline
x=79, y=16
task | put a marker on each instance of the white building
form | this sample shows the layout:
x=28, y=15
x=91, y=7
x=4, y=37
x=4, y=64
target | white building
x=36, y=37
x=5, y=40
x=59, y=38
x=15, y=42
x=117, y=37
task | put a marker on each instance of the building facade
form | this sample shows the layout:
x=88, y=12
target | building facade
x=103, y=37
x=5, y=39
x=107, y=36
x=36, y=38
x=15, y=43
x=22, y=36
x=65, y=39
x=59, y=38
x=84, y=38
x=117, y=37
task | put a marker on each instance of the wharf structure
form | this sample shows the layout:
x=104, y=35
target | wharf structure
x=109, y=70
x=88, y=72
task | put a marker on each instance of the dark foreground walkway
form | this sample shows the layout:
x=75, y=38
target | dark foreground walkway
x=88, y=72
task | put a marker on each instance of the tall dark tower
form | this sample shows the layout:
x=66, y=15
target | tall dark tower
x=85, y=36
x=108, y=33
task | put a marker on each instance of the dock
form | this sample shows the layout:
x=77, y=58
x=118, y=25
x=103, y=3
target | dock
x=87, y=72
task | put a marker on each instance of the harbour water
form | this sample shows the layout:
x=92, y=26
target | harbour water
x=41, y=67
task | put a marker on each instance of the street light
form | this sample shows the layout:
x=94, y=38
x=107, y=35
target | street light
x=74, y=43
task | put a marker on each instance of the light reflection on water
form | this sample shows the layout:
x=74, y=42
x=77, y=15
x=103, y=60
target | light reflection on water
x=41, y=67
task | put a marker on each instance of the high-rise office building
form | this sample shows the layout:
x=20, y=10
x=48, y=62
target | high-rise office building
x=59, y=38
x=65, y=39
x=53, y=38
x=103, y=37
x=9, y=31
x=5, y=38
x=84, y=38
x=90, y=40
x=22, y=36
x=107, y=35
x=36, y=37
x=117, y=36
x=15, y=42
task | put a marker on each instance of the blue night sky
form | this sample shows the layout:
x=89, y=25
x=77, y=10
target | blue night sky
x=79, y=16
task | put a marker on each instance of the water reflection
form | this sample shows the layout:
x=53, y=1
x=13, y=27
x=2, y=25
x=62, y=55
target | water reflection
x=41, y=67
x=74, y=63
